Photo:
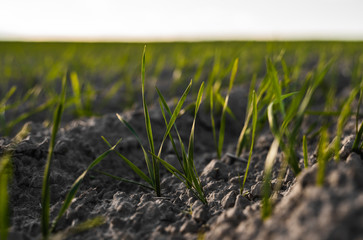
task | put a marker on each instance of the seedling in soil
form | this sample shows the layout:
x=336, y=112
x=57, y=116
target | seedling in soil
x=225, y=105
x=5, y=174
x=189, y=176
x=47, y=229
x=358, y=136
x=153, y=177
x=323, y=155
x=254, y=125
x=305, y=152
x=46, y=184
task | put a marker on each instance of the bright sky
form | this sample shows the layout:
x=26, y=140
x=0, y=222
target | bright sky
x=183, y=20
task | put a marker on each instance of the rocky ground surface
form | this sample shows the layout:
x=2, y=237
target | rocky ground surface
x=302, y=211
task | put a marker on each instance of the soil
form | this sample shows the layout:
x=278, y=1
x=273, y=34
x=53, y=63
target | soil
x=303, y=210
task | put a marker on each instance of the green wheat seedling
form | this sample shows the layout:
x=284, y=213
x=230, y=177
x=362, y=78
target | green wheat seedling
x=359, y=131
x=48, y=228
x=289, y=130
x=45, y=201
x=76, y=87
x=150, y=177
x=213, y=91
x=254, y=125
x=225, y=105
x=5, y=174
x=305, y=152
x=74, y=188
x=270, y=159
x=249, y=111
x=342, y=119
x=189, y=176
x=153, y=177
x=323, y=155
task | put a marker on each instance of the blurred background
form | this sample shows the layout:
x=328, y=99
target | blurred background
x=162, y=20
x=100, y=44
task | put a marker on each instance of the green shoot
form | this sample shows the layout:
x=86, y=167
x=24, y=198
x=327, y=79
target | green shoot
x=72, y=192
x=77, y=93
x=151, y=169
x=189, y=176
x=305, y=151
x=45, y=201
x=270, y=159
x=254, y=124
x=342, y=119
x=247, y=118
x=323, y=155
x=223, y=116
x=5, y=174
x=155, y=163
x=359, y=132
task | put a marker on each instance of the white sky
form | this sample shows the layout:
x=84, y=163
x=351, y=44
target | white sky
x=183, y=20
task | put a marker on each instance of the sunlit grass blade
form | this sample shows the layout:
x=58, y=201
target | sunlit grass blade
x=211, y=109
x=249, y=110
x=254, y=125
x=77, y=93
x=26, y=115
x=147, y=160
x=155, y=163
x=270, y=159
x=323, y=154
x=191, y=166
x=137, y=170
x=175, y=113
x=305, y=152
x=223, y=116
x=275, y=84
x=79, y=228
x=342, y=119
x=45, y=200
x=72, y=192
x=359, y=131
x=5, y=174
x=124, y=179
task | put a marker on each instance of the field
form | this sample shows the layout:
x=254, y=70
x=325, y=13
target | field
x=207, y=140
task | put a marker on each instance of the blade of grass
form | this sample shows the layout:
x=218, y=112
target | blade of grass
x=123, y=179
x=72, y=192
x=275, y=84
x=45, y=200
x=155, y=163
x=247, y=119
x=322, y=156
x=270, y=159
x=342, y=119
x=223, y=116
x=175, y=113
x=147, y=161
x=254, y=124
x=77, y=93
x=305, y=151
x=131, y=165
x=5, y=173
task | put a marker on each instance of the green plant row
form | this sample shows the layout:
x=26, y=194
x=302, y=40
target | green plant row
x=278, y=100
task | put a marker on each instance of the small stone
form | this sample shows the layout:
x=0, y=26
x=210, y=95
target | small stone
x=201, y=214
x=241, y=202
x=150, y=211
x=216, y=170
x=346, y=148
x=189, y=226
x=354, y=159
x=228, y=200
x=257, y=190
